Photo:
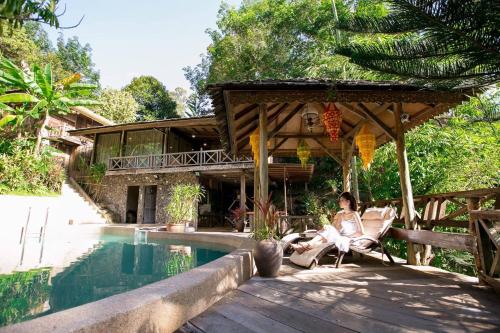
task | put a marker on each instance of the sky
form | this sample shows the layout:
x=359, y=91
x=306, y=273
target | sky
x=147, y=37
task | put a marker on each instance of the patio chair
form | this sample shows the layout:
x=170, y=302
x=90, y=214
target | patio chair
x=294, y=238
x=376, y=224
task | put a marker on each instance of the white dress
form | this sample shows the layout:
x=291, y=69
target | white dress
x=342, y=240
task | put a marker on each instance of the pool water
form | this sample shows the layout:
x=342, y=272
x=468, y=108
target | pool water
x=112, y=266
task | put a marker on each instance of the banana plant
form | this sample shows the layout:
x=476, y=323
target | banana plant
x=26, y=93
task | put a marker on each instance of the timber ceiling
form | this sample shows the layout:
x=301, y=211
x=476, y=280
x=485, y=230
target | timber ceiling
x=237, y=104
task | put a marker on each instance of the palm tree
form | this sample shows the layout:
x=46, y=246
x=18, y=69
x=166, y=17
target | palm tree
x=448, y=42
x=32, y=93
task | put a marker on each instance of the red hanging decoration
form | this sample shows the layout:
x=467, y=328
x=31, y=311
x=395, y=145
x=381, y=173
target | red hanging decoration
x=332, y=119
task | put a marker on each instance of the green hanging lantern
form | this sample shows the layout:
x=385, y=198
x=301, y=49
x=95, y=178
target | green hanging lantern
x=303, y=152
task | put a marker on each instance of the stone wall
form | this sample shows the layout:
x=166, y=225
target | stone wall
x=114, y=195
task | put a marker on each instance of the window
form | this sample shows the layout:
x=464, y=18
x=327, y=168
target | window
x=107, y=146
x=146, y=142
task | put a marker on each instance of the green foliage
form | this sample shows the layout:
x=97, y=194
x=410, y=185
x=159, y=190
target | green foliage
x=266, y=220
x=77, y=58
x=97, y=171
x=198, y=103
x=281, y=39
x=20, y=292
x=452, y=43
x=180, y=96
x=183, y=199
x=23, y=172
x=118, y=105
x=35, y=94
x=153, y=98
x=451, y=154
x=16, y=12
x=178, y=263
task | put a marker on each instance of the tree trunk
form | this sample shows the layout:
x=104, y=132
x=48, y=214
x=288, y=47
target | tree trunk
x=39, y=132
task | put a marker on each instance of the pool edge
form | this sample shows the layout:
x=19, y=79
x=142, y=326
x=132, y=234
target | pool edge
x=161, y=306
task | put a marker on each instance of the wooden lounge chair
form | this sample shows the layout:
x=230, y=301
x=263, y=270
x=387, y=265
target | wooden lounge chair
x=376, y=224
x=294, y=238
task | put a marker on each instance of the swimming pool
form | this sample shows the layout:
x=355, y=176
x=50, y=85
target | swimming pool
x=112, y=265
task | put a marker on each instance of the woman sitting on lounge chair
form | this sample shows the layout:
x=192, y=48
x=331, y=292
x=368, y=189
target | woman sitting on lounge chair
x=346, y=225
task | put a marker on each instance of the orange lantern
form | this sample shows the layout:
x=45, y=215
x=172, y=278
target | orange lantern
x=303, y=152
x=254, y=144
x=366, y=142
x=332, y=119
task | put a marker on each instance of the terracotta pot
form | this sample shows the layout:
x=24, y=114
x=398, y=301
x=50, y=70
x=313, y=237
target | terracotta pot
x=268, y=257
x=176, y=227
x=240, y=225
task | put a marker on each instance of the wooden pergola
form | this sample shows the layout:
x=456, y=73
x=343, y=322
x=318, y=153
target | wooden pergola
x=277, y=108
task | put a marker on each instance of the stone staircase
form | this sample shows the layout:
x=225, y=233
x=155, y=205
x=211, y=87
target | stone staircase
x=83, y=209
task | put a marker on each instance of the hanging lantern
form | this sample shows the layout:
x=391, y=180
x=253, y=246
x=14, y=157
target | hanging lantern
x=332, y=119
x=254, y=144
x=366, y=142
x=303, y=152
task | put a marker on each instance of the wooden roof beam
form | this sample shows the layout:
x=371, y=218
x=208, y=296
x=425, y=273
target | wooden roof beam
x=362, y=110
x=245, y=111
x=255, y=118
x=325, y=149
x=278, y=145
x=285, y=120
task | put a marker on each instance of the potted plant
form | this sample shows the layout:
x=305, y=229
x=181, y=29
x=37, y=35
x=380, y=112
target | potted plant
x=182, y=205
x=238, y=219
x=268, y=252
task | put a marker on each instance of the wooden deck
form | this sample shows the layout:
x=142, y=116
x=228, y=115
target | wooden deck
x=362, y=296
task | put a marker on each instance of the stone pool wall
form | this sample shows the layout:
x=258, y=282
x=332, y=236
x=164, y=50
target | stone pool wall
x=114, y=195
x=162, y=306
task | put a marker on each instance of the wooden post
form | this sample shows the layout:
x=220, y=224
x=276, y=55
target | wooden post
x=346, y=166
x=263, y=167
x=406, y=189
x=473, y=204
x=256, y=194
x=284, y=191
x=354, y=178
x=243, y=194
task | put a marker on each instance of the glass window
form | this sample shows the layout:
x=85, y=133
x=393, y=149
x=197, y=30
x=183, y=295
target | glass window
x=147, y=142
x=107, y=146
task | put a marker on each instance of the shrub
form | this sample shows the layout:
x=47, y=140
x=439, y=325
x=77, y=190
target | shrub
x=22, y=172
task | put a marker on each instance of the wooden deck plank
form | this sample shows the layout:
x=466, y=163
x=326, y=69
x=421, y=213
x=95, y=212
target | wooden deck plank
x=212, y=321
x=252, y=320
x=361, y=296
x=292, y=317
x=417, y=315
x=408, y=290
x=330, y=313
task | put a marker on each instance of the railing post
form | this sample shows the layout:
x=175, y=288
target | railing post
x=473, y=204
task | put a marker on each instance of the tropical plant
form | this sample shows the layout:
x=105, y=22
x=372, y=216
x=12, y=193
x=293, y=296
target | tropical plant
x=451, y=42
x=97, y=171
x=183, y=199
x=21, y=292
x=178, y=263
x=266, y=219
x=153, y=98
x=118, y=105
x=16, y=12
x=33, y=93
x=22, y=172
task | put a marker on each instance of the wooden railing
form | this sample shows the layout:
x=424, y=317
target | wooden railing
x=474, y=219
x=442, y=209
x=487, y=233
x=176, y=160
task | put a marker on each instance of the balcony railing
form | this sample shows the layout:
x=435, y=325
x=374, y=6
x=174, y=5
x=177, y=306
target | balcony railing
x=203, y=158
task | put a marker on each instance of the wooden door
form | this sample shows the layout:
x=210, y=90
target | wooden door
x=149, y=205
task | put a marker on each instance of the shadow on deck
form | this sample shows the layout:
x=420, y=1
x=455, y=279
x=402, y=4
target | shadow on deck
x=362, y=296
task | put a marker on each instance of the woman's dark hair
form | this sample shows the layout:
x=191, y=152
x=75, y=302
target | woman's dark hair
x=352, y=200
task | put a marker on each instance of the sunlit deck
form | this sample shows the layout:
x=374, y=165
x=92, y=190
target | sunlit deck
x=362, y=296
